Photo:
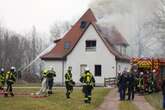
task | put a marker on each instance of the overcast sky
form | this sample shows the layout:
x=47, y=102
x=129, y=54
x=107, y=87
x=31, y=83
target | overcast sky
x=20, y=15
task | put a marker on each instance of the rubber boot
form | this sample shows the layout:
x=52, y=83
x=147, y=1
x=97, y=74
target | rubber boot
x=12, y=94
x=67, y=95
x=89, y=100
x=5, y=94
x=86, y=101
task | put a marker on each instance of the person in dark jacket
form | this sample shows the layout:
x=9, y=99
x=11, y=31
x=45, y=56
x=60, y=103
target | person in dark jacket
x=122, y=85
x=131, y=84
x=163, y=93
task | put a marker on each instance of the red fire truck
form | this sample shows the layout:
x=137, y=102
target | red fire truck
x=150, y=64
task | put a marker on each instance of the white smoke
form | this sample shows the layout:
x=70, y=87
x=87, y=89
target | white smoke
x=125, y=15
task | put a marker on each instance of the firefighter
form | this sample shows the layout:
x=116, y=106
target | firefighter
x=2, y=79
x=44, y=84
x=50, y=78
x=155, y=82
x=137, y=82
x=141, y=83
x=131, y=84
x=88, y=84
x=123, y=85
x=10, y=79
x=145, y=82
x=69, y=83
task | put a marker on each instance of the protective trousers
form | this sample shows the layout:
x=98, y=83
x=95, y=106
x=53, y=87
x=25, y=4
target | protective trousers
x=9, y=89
x=50, y=85
x=2, y=83
x=130, y=93
x=163, y=102
x=87, y=89
x=69, y=88
x=122, y=93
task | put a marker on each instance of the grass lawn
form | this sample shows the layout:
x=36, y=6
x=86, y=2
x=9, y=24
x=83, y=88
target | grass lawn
x=27, y=85
x=127, y=105
x=155, y=100
x=57, y=101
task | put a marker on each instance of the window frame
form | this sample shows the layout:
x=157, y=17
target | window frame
x=100, y=70
x=90, y=45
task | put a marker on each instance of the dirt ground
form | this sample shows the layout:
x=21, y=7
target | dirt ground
x=112, y=102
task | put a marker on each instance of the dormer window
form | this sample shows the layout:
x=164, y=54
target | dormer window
x=83, y=24
x=90, y=45
x=66, y=45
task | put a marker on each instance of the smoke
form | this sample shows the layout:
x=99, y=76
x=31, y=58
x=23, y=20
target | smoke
x=126, y=15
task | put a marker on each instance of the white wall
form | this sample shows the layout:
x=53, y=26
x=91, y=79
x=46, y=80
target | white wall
x=101, y=56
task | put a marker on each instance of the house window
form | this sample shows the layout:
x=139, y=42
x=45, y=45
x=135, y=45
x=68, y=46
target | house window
x=83, y=24
x=66, y=45
x=125, y=50
x=97, y=70
x=91, y=45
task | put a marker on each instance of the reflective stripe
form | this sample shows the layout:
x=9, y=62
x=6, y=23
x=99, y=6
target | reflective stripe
x=68, y=76
x=10, y=76
x=85, y=98
x=45, y=73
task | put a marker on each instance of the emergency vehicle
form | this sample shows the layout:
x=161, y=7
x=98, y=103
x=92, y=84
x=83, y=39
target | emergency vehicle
x=151, y=64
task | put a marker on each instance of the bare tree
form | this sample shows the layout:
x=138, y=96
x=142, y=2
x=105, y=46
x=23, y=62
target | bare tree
x=151, y=35
x=19, y=50
x=59, y=28
x=158, y=25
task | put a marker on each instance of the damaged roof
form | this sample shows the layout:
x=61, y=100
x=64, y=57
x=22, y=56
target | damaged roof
x=65, y=45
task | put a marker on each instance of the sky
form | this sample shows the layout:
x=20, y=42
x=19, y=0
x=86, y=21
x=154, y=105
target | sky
x=21, y=15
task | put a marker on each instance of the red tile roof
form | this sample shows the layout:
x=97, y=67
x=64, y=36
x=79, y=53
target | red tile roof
x=71, y=38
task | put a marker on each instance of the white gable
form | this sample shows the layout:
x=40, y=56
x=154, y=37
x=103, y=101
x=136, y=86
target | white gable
x=102, y=56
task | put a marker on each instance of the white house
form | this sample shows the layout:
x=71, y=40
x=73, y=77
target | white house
x=87, y=44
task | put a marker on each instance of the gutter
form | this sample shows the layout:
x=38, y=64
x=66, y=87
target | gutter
x=63, y=73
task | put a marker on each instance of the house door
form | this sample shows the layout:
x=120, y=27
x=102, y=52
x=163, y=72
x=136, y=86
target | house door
x=82, y=68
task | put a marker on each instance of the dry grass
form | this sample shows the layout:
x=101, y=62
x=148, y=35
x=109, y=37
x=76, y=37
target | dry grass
x=155, y=100
x=57, y=101
x=127, y=105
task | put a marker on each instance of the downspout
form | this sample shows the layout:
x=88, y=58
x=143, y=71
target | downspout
x=116, y=67
x=116, y=71
x=62, y=72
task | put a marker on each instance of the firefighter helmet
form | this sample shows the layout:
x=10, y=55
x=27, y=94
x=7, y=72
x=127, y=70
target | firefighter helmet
x=13, y=68
x=2, y=70
x=87, y=69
